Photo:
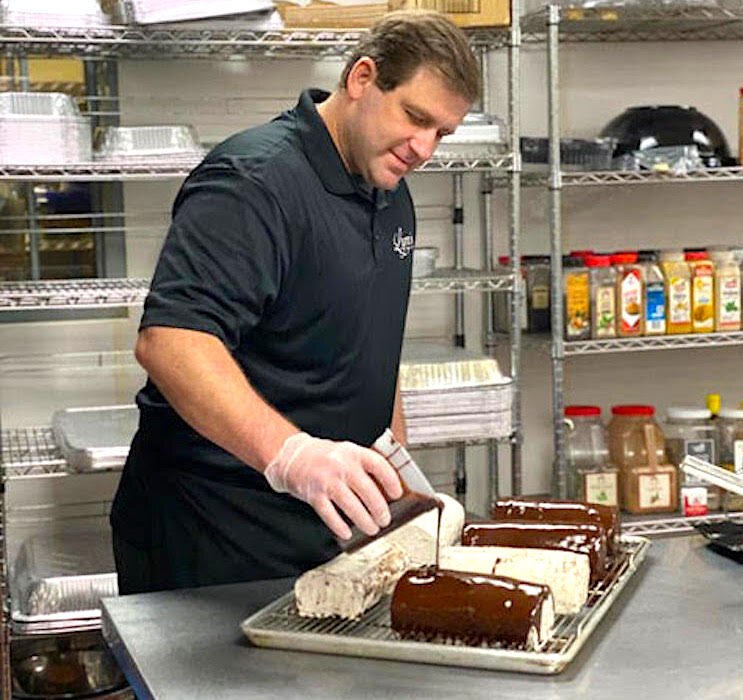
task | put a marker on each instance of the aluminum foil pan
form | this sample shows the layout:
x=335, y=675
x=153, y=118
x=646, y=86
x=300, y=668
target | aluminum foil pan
x=115, y=142
x=93, y=438
x=62, y=577
x=472, y=426
x=156, y=11
x=479, y=134
x=424, y=260
x=38, y=104
x=452, y=402
x=44, y=140
x=53, y=13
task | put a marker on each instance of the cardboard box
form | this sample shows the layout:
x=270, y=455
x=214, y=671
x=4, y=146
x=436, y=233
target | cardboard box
x=327, y=15
x=464, y=13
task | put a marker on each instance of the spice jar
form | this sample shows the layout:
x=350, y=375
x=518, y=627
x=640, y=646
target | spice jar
x=690, y=431
x=629, y=294
x=603, y=281
x=655, y=293
x=702, y=271
x=727, y=291
x=730, y=438
x=647, y=483
x=678, y=292
x=590, y=477
x=577, y=298
x=538, y=293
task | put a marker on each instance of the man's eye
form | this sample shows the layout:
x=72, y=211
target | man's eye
x=416, y=118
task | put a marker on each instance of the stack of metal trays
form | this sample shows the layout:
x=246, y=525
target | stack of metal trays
x=53, y=13
x=58, y=580
x=155, y=11
x=453, y=394
x=95, y=438
x=42, y=128
x=479, y=135
x=147, y=142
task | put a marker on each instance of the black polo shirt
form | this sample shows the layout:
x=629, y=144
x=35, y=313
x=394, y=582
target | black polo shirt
x=303, y=272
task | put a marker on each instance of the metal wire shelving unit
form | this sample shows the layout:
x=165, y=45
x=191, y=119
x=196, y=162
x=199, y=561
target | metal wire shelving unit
x=556, y=25
x=31, y=452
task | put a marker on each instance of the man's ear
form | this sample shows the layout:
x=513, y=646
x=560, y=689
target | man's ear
x=363, y=74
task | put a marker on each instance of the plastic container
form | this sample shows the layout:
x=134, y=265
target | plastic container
x=691, y=431
x=590, y=478
x=424, y=260
x=727, y=292
x=730, y=438
x=603, y=280
x=647, y=483
x=702, y=272
x=577, y=299
x=678, y=291
x=538, y=293
x=630, y=297
x=655, y=293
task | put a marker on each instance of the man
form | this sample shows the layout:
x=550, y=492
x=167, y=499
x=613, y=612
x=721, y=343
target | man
x=272, y=332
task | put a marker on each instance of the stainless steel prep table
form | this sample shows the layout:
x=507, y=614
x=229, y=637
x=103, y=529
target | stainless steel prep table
x=675, y=632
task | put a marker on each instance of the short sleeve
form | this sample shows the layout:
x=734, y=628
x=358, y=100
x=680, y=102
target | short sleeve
x=221, y=264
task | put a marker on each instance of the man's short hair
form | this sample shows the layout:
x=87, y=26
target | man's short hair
x=401, y=42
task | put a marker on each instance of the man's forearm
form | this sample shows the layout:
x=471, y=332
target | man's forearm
x=207, y=388
x=398, y=427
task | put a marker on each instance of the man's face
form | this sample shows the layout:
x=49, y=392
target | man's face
x=391, y=133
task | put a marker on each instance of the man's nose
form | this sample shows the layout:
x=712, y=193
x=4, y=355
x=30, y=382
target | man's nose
x=423, y=143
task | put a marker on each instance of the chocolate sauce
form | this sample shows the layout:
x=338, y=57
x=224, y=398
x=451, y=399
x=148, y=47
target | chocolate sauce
x=587, y=539
x=410, y=505
x=474, y=608
x=562, y=512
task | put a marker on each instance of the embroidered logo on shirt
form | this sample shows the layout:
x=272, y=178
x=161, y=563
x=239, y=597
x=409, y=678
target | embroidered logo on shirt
x=402, y=243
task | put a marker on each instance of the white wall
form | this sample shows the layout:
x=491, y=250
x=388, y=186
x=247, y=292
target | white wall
x=598, y=82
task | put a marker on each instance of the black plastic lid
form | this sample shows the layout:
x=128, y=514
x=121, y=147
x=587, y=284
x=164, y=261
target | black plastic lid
x=647, y=256
x=570, y=261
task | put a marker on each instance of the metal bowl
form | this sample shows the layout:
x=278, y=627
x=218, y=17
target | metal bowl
x=47, y=668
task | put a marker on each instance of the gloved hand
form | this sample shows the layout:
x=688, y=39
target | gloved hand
x=329, y=475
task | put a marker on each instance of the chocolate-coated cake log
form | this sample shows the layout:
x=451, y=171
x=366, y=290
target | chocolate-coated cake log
x=561, y=512
x=586, y=539
x=437, y=604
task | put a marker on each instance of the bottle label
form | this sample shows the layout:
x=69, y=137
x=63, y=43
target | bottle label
x=703, y=449
x=738, y=456
x=728, y=297
x=654, y=491
x=606, y=312
x=703, y=300
x=540, y=297
x=655, y=308
x=679, y=301
x=577, y=301
x=631, y=301
x=694, y=499
x=601, y=487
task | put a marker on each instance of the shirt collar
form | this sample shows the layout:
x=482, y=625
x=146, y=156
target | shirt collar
x=324, y=157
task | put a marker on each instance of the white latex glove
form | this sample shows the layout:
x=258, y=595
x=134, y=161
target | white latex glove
x=330, y=475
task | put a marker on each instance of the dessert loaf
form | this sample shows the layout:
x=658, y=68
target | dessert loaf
x=418, y=537
x=441, y=605
x=586, y=539
x=563, y=512
x=350, y=584
x=567, y=574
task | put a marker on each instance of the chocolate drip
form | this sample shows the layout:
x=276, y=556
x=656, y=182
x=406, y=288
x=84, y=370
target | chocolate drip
x=585, y=539
x=473, y=608
x=561, y=512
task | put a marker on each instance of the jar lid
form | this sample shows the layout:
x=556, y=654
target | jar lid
x=633, y=410
x=693, y=255
x=598, y=260
x=688, y=413
x=734, y=413
x=672, y=256
x=624, y=258
x=582, y=411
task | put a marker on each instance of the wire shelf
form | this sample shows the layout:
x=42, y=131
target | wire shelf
x=466, y=280
x=639, y=23
x=644, y=177
x=675, y=525
x=67, y=294
x=159, y=42
x=659, y=342
x=180, y=167
x=31, y=452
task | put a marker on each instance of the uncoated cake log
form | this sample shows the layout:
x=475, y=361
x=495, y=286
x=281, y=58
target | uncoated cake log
x=566, y=573
x=350, y=584
x=440, y=605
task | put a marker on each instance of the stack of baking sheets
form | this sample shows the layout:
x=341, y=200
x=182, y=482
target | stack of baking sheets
x=42, y=128
x=58, y=580
x=95, y=438
x=155, y=11
x=452, y=394
x=147, y=142
x=53, y=13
